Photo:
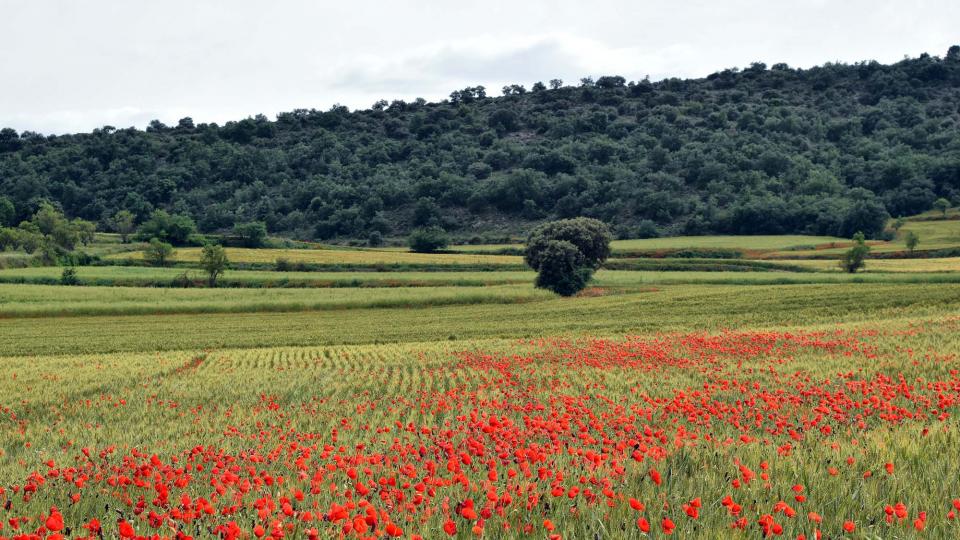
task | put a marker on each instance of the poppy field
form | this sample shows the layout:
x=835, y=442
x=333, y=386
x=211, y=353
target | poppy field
x=842, y=431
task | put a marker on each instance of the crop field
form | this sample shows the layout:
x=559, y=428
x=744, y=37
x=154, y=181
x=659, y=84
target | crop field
x=751, y=243
x=934, y=235
x=680, y=397
x=848, y=430
x=51, y=300
x=647, y=309
x=826, y=271
x=147, y=276
x=940, y=264
x=766, y=243
x=342, y=256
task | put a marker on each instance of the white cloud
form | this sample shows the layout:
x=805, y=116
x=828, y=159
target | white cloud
x=489, y=59
x=73, y=66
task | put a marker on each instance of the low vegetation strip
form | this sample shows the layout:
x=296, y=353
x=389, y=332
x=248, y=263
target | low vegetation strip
x=912, y=271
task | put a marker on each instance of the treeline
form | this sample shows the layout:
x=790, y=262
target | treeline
x=830, y=150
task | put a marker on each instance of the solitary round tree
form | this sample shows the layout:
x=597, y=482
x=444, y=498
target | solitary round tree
x=565, y=253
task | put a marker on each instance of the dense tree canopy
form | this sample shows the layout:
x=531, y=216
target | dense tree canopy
x=566, y=252
x=833, y=149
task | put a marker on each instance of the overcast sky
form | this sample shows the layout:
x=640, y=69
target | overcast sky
x=74, y=65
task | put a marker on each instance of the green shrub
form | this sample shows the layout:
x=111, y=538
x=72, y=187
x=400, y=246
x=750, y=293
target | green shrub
x=175, y=229
x=69, y=276
x=562, y=269
x=158, y=252
x=252, y=234
x=428, y=240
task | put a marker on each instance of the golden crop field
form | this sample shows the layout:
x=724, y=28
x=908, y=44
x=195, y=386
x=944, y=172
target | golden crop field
x=943, y=264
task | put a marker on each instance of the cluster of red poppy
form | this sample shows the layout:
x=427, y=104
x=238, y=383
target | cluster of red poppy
x=524, y=444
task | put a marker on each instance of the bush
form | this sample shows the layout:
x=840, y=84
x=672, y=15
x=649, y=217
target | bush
x=282, y=264
x=252, y=234
x=375, y=239
x=853, y=259
x=175, y=229
x=48, y=253
x=565, y=253
x=562, y=268
x=77, y=258
x=158, y=252
x=428, y=240
x=69, y=276
x=647, y=229
x=182, y=281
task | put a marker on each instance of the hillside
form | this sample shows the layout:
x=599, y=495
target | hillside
x=763, y=150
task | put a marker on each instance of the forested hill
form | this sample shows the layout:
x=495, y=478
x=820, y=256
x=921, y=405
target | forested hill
x=766, y=149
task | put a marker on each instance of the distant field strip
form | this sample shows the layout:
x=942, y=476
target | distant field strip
x=684, y=307
x=769, y=242
x=151, y=277
x=341, y=256
x=934, y=235
x=55, y=301
x=943, y=264
x=766, y=243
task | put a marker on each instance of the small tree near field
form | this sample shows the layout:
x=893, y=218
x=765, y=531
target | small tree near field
x=428, y=239
x=913, y=240
x=125, y=224
x=565, y=253
x=897, y=223
x=158, y=252
x=214, y=261
x=854, y=258
x=942, y=205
